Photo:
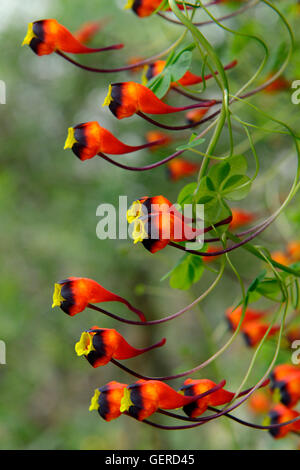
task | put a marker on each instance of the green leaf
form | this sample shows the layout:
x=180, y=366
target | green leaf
x=238, y=165
x=187, y=272
x=270, y=288
x=238, y=191
x=180, y=65
x=192, y=144
x=161, y=86
x=186, y=195
x=218, y=173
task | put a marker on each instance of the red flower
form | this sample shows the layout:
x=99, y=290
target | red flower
x=193, y=388
x=280, y=414
x=285, y=384
x=48, y=36
x=128, y=98
x=157, y=222
x=145, y=397
x=100, y=345
x=89, y=139
x=143, y=8
x=254, y=331
x=234, y=316
x=240, y=218
x=107, y=400
x=74, y=294
x=195, y=115
x=87, y=31
x=188, y=78
x=180, y=168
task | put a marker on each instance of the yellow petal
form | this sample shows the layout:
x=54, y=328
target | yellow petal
x=108, y=98
x=70, y=141
x=139, y=232
x=129, y=4
x=134, y=212
x=144, y=75
x=126, y=402
x=57, y=297
x=277, y=395
x=266, y=421
x=94, y=406
x=29, y=36
x=85, y=345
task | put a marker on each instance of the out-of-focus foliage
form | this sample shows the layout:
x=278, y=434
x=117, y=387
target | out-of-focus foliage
x=48, y=202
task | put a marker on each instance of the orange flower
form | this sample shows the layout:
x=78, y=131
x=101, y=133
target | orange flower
x=128, y=98
x=195, y=115
x=107, y=400
x=152, y=137
x=89, y=139
x=145, y=397
x=234, y=316
x=280, y=84
x=285, y=384
x=209, y=259
x=281, y=257
x=87, y=31
x=143, y=8
x=181, y=168
x=197, y=387
x=280, y=414
x=188, y=78
x=293, y=249
x=157, y=222
x=259, y=402
x=254, y=331
x=240, y=218
x=100, y=345
x=74, y=294
x=47, y=36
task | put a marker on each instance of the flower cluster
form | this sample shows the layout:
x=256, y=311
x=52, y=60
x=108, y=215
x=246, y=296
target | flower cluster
x=157, y=223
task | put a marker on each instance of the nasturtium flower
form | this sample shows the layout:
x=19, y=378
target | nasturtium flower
x=281, y=257
x=260, y=402
x=128, y=98
x=144, y=8
x=240, y=218
x=143, y=398
x=158, y=222
x=107, y=400
x=74, y=294
x=191, y=388
x=100, y=345
x=87, y=31
x=188, y=78
x=233, y=316
x=278, y=85
x=158, y=139
x=180, y=168
x=285, y=384
x=293, y=250
x=47, y=36
x=195, y=115
x=280, y=414
x=254, y=331
x=293, y=334
x=89, y=139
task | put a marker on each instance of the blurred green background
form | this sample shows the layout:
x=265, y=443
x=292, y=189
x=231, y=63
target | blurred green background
x=48, y=202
